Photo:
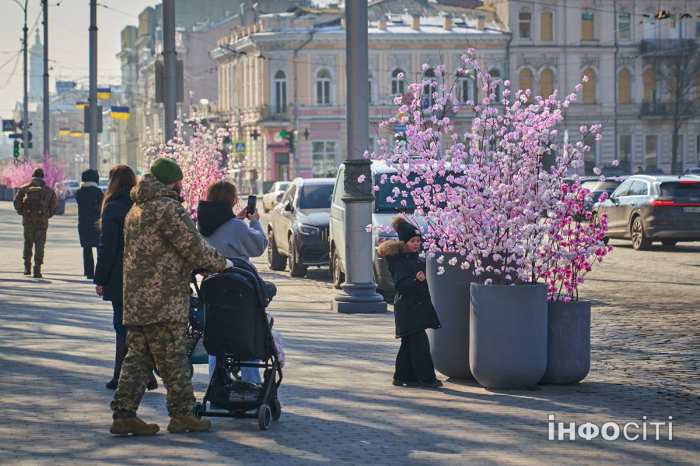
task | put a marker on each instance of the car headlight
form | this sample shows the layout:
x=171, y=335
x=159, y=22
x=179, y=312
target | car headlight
x=308, y=230
x=382, y=239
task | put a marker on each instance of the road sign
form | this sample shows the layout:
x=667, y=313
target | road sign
x=239, y=147
x=407, y=98
x=8, y=125
x=15, y=136
x=400, y=128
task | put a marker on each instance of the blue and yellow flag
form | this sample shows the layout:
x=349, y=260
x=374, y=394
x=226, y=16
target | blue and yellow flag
x=81, y=105
x=76, y=134
x=104, y=92
x=119, y=113
x=64, y=132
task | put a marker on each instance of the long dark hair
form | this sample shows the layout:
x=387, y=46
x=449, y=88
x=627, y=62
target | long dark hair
x=120, y=176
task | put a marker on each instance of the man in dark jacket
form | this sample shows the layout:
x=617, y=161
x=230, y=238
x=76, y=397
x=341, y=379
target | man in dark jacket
x=161, y=248
x=89, y=198
x=36, y=203
x=413, y=307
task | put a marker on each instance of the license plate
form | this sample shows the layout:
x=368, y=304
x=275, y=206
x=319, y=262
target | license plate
x=691, y=210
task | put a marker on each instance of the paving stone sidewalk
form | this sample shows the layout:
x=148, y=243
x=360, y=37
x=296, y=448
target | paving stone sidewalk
x=339, y=407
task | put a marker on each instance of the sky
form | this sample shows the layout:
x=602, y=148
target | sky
x=68, y=41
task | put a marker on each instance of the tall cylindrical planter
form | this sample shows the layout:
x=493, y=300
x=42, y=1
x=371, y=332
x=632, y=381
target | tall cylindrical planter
x=449, y=345
x=568, y=342
x=508, y=335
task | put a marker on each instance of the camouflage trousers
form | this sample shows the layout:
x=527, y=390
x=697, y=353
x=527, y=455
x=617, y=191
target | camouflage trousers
x=34, y=238
x=164, y=345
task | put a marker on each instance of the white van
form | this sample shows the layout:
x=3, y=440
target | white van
x=382, y=214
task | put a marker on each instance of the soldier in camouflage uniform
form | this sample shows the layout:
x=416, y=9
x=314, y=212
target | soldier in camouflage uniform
x=36, y=203
x=161, y=248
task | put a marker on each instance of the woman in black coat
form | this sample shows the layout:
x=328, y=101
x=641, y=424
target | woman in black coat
x=89, y=198
x=413, y=307
x=110, y=257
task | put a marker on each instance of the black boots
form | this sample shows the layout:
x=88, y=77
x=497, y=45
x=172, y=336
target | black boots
x=118, y=360
x=37, y=271
x=27, y=269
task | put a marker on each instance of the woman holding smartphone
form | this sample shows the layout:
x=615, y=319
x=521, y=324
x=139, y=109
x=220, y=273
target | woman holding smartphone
x=227, y=232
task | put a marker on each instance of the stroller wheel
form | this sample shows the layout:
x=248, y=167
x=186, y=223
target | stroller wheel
x=276, y=409
x=198, y=410
x=264, y=417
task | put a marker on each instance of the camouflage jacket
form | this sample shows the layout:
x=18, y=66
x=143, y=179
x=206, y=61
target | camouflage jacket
x=48, y=203
x=161, y=248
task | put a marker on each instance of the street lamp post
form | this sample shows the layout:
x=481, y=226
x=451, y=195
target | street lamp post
x=359, y=290
x=25, y=110
x=47, y=132
x=92, y=98
x=169, y=69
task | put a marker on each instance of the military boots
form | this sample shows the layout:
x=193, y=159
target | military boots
x=27, y=269
x=188, y=423
x=37, y=271
x=134, y=426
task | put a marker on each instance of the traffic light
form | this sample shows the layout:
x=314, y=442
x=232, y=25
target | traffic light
x=289, y=137
x=16, y=149
x=400, y=138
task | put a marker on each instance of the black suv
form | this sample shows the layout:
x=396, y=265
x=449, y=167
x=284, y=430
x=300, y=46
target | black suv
x=298, y=229
x=648, y=208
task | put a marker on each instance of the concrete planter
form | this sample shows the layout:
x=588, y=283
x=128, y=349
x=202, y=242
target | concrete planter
x=449, y=345
x=568, y=342
x=508, y=335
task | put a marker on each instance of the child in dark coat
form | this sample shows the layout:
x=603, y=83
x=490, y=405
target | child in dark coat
x=413, y=308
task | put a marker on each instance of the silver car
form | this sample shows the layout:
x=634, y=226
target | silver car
x=383, y=213
x=274, y=195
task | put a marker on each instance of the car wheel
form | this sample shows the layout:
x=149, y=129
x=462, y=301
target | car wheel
x=295, y=269
x=639, y=239
x=338, y=275
x=669, y=242
x=276, y=260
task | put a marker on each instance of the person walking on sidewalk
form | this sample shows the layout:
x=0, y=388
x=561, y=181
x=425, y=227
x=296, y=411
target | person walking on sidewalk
x=36, y=203
x=413, y=307
x=161, y=248
x=110, y=258
x=89, y=198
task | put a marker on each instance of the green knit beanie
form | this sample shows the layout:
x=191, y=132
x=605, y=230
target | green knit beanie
x=166, y=171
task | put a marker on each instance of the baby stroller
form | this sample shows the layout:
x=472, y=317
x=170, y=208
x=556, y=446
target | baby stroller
x=236, y=329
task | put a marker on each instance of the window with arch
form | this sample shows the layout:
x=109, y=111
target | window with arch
x=428, y=88
x=466, y=87
x=546, y=83
x=624, y=86
x=398, y=85
x=525, y=80
x=587, y=25
x=496, y=75
x=280, y=92
x=323, y=87
x=589, y=87
x=649, y=79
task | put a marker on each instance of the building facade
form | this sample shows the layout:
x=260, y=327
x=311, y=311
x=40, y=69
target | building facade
x=616, y=43
x=286, y=73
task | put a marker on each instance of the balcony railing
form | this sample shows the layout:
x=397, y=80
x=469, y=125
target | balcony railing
x=669, y=47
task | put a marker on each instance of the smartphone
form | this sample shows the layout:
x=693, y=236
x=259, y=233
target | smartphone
x=252, y=200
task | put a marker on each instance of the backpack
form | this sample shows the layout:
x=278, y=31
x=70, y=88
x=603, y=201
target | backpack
x=32, y=204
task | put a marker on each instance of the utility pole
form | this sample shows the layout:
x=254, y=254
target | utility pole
x=169, y=69
x=47, y=132
x=92, y=99
x=359, y=290
x=25, y=118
